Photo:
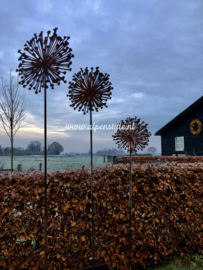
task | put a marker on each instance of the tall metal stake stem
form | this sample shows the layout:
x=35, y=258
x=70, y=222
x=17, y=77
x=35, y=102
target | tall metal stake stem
x=130, y=203
x=91, y=181
x=11, y=121
x=45, y=172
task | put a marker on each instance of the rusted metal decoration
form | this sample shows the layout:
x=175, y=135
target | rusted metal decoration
x=46, y=61
x=132, y=136
x=90, y=90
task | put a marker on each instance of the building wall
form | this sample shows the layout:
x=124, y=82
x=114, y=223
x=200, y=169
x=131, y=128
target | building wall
x=182, y=128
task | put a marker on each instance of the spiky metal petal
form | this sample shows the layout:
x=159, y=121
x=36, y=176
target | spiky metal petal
x=49, y=56
x=132, y=135
x=89, y=88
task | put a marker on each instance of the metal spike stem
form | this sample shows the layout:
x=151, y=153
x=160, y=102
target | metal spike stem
x=91, y=181
x=11, y=121
x=129, y=237
x=130, y=179
x=45, y=172
x=130, y=203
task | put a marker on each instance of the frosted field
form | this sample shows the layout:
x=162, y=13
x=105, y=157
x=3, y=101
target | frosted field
x=54, y=163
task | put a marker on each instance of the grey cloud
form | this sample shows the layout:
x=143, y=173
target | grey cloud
x=151, y=49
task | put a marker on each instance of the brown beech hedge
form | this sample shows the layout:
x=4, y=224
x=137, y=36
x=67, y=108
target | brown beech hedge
x=167, y=216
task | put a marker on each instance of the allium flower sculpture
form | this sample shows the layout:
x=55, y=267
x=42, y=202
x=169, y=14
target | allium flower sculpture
x=90, y=90
x=46, y=61
x=132, y=136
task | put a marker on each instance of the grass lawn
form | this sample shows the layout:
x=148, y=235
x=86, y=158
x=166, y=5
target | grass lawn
x=179, y=263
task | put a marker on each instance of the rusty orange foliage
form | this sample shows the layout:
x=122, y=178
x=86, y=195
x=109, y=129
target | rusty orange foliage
x=166, y=215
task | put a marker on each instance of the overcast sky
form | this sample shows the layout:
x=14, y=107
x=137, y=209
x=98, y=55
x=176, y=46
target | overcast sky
x=152, y=49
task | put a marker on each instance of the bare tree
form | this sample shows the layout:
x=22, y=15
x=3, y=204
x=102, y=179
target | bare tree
x=55, y=146
x=12, y=109
x=151, y=150
x=34, y=146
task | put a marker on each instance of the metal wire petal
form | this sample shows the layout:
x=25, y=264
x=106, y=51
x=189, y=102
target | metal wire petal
x=132, y=135
x=89, y=87
x=50, y=56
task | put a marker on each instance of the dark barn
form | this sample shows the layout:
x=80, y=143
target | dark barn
x=183, y=135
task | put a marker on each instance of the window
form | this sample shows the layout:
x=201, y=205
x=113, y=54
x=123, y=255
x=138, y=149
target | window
x=179, y=143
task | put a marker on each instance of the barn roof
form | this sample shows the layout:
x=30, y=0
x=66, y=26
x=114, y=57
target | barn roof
x=180, y=116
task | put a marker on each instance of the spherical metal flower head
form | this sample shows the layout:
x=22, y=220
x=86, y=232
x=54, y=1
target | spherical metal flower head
x=89, y=89
x=132, y=135
x=49, y=57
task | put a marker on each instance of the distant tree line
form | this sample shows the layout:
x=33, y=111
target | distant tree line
x=112, y=152
x=151, y=150
x=35, y=146
x=117, y=152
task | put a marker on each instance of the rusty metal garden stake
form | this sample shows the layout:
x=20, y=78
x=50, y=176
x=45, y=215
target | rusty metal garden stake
x=130, y=204
x=92, y=182
x=46, y=59
x=90, y=90
x=131, y=136
x=45, y=170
